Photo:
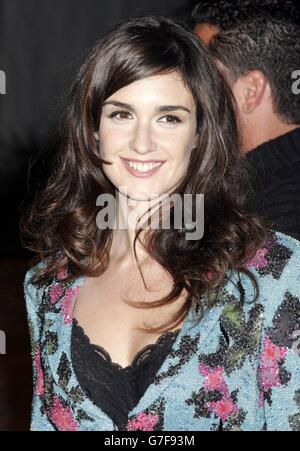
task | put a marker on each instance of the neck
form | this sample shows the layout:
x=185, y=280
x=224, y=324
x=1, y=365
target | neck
x=265, y=133
x=126, y=224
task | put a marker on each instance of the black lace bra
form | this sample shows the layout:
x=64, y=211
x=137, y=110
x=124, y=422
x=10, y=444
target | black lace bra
x=116, y=390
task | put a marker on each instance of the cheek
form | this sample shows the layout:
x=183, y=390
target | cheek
x=110, y=141
x=185, y=143
x=181, y=161
x=190, y=145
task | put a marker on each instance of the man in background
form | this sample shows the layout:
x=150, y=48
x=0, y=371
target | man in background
x=257, y=46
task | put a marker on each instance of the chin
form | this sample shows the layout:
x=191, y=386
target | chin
x=142, y=196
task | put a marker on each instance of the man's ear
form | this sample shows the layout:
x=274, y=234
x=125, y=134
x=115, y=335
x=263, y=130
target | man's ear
x=249, y=90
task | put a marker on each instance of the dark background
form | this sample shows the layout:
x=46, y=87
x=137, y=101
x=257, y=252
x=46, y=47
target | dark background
x=42, y=43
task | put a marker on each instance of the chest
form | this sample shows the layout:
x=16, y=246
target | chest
x=109, y=322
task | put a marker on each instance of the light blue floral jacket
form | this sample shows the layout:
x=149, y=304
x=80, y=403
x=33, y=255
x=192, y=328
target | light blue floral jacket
x=238, y=369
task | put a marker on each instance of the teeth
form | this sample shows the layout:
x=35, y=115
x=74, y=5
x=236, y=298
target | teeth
x=143, y=167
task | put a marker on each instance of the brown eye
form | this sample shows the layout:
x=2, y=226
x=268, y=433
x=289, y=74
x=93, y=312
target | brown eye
x=121, y=114
x=172, y=119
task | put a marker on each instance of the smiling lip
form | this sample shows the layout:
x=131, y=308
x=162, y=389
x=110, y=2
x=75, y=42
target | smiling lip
x=142, y=174
x=141, y=161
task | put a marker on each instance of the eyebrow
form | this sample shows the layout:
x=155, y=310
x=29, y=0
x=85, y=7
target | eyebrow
x=158, y=109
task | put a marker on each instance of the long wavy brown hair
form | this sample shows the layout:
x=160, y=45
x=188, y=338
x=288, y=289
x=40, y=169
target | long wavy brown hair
x=59, y=225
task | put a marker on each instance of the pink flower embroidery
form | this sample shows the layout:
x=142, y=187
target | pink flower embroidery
x=214, y=379
x=269, y=365
x=223, y=409
x=261, y=399
x=62, y=416
x=143, y=421
x=62, y=273
x=271, y=352
x=55, y=292
x=39, y=386
x=269, y=377
x=259, y=261
x=67, y=304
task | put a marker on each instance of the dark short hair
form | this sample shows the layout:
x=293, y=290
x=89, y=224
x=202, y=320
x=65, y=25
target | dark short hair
x=262, y=35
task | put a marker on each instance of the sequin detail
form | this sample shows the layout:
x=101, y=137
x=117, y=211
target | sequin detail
x=236, y=370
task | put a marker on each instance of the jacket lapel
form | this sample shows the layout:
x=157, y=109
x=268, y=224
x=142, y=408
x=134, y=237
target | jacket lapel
x=185, y=350
x=58, y=369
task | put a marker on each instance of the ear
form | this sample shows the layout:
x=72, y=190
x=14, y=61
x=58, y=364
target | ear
x=249, y=90
x=96, y=135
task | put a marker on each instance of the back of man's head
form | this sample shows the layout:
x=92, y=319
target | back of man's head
x=257, y=35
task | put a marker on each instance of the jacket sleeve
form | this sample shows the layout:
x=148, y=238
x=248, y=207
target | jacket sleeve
x=33, y=297
x=279, y=365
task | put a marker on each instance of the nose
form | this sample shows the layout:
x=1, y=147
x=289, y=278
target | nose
x=142, y=140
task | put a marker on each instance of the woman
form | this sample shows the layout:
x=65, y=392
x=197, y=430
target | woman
x=143, y=327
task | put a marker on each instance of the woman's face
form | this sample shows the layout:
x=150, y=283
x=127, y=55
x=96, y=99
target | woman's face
x=148, y=130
